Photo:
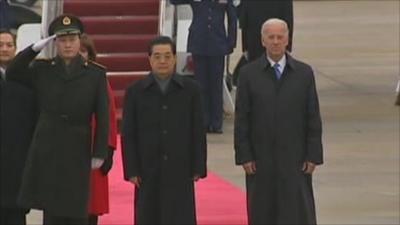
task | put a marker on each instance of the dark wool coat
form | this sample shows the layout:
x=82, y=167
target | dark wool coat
x=17, y=121
x=278, y=125
x=164, y=143
x=56, y=176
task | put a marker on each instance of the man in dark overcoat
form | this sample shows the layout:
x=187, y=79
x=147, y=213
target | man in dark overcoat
x=253, y=14
x=17, y=121
x=69, y=91
x=163, y=140
x=278, y=132
x=210, y=41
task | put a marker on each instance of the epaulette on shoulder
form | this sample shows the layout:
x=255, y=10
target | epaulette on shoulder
x=97, y=64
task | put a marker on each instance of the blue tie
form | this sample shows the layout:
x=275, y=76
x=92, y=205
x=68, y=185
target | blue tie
x=277, y=71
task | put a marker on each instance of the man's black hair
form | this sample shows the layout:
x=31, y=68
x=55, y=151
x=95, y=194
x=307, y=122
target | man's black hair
x=161, y=40
x=6, y=31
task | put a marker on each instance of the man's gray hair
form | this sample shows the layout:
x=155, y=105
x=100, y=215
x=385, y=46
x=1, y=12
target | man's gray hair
x=274, y=21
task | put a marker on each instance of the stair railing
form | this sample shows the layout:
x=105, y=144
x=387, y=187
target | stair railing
x=167, y=20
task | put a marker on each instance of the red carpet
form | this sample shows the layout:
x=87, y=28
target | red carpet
x=217, y=201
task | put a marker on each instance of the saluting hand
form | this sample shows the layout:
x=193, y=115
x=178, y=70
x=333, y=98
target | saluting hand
x=250, y=167
x=38, y=46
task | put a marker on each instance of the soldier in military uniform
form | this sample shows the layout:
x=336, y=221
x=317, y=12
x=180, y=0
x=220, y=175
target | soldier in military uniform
x=69, y=91
x=209, y=43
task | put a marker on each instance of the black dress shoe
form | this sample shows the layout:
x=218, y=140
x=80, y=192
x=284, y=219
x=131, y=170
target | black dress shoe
x=214, y=131
x=218, y=131
x=210, y=130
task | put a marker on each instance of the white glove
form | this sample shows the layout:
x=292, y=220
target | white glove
x=38, y=46
x=96, y=163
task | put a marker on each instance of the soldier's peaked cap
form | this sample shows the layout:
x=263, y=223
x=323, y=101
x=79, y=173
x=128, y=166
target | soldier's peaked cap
x=66, y=24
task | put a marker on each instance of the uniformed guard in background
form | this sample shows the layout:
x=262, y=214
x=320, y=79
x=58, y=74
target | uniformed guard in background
x=253, y=13
x=209, y=44
x=4, y=14
x=69, y=91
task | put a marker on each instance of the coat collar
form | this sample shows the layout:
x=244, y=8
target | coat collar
x=262, y=61
x=150, y=80
x=75, y=68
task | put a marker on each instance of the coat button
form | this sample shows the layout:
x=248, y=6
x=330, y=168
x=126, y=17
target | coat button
x=209, y=26
x=164, y=131
x=209, y=18
x=164, y=107
x=165, y=157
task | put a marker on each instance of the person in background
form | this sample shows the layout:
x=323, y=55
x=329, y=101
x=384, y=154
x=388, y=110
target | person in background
x=8, y=49
x=4, y=14
x=209, y=43
x=69, y=91
x=253, y=14
x=99, y=193
x=278, y=132
x=17, y=122
x=164, y=147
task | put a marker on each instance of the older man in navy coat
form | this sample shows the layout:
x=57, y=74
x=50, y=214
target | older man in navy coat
x=209, y=43
x=278, y=132
x=163, y=157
